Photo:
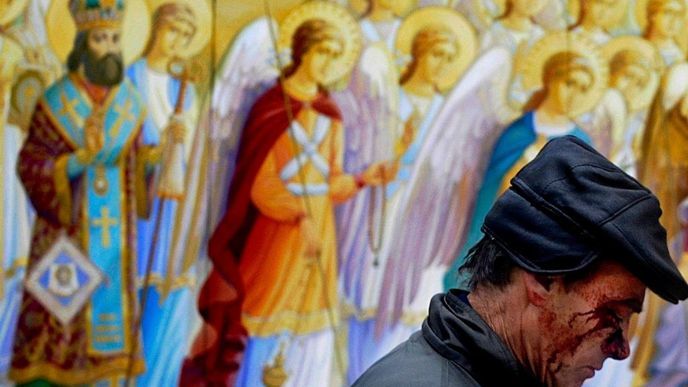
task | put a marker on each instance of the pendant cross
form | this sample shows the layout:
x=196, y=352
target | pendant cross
x=123, y=115
x=105, y=222
x=69, y=108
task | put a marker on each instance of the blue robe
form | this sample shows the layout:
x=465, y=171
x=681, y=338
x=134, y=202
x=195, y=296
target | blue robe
x=166, y=325
x=507, y=151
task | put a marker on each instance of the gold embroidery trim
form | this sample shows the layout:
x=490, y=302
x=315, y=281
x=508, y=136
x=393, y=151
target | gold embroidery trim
x=288, y=321
x=18, y=265
x=408, y=318
x=63, y=191
x=52, y=373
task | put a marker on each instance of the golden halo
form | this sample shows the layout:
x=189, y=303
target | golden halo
x=456, y=23
x=400, y=7
x=12, y=11
x=641, y=12
x=574, y=9
x=649, y=52
x=334, y=15
x=61, y=29
x=532, y=65
x=201, y=11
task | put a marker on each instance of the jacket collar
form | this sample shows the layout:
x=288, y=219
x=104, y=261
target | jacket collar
x=460, y=335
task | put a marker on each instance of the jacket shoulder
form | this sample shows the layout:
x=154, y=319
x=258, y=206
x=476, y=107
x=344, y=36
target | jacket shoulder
x=415, y=363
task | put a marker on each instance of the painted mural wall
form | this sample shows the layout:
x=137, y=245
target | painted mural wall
x=224, y=192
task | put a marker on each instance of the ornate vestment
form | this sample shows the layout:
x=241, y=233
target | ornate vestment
x=96, y=207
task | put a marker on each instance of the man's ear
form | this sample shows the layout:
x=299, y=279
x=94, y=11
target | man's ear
x=538, y=287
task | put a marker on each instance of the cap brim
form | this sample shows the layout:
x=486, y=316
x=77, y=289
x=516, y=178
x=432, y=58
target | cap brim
x=644, y=251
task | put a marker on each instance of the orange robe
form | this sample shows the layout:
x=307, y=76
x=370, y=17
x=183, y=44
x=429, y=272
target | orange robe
x=286, y=291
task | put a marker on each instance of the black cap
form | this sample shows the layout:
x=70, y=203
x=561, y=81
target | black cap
x=570, y=206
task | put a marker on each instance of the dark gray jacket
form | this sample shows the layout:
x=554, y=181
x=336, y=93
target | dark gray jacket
x=454, y=348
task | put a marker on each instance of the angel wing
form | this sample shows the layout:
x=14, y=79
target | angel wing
x=369, y=108
x=437, y=206
x=247, y=70
x=369, y=111
x=607, y=122
x=675, y=85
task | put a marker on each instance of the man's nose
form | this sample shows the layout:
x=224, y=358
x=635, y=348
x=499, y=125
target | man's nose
x=617, y=346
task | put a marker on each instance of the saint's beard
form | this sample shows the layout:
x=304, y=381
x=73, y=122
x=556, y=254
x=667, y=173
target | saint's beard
x=107, y=70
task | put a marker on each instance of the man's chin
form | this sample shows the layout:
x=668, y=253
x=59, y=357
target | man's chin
x=574, y=379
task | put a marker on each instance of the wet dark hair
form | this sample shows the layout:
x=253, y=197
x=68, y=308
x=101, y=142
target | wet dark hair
x=488, y=264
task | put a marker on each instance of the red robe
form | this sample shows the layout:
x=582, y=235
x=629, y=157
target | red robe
x=216, y=354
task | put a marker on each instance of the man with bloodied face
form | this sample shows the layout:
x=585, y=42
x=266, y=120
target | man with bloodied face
x=567, y=255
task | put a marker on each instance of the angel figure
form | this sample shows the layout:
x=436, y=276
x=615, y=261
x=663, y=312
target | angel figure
x=617, y=122
x=369, y=115
x=515, y=27
x=178, y=32
x=440, y=52
x=274, y=251
x=446, y=138
x=570, y=75
x=516, y=30
x=380, y=22
x=597, y=17
x=663, y=22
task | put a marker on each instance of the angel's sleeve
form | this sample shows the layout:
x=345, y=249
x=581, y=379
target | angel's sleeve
x=342, y=186
x=270, y=194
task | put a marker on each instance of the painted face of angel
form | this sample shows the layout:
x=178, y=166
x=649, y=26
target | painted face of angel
x=630, y=73
x=321, y=59
x=433, y=50
x=567, y=78
x=316, y=48
x=666, y=18
x=601, y=12
x=526, y=7
x=174, y=26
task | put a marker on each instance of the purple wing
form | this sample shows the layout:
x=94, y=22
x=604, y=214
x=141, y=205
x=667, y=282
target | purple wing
x=437, y=204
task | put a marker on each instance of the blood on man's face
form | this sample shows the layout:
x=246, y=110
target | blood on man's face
x=585, y=322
